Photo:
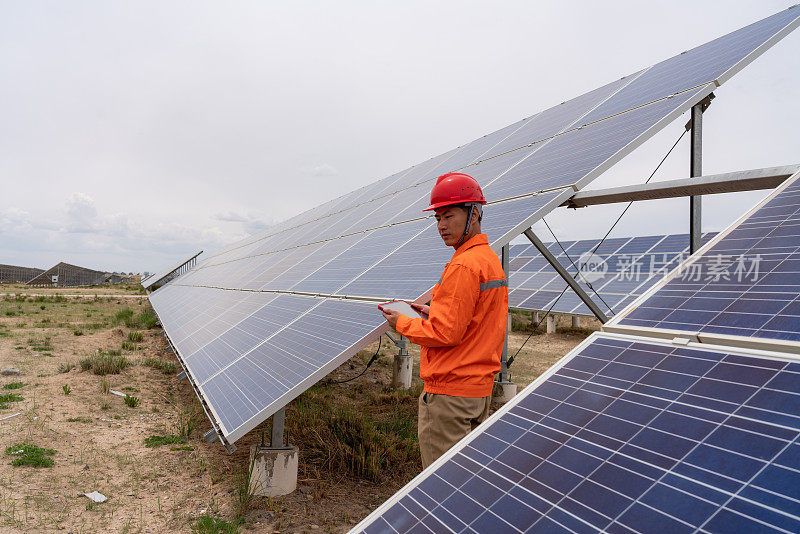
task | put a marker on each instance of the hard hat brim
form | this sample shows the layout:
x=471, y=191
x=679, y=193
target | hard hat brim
x=454, y=202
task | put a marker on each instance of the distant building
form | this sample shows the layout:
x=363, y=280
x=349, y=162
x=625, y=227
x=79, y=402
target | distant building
x=114, y=278
x=14, y=274
x=66, y=275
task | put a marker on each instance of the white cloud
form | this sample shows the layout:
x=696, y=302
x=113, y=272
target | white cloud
x=321, y=170
x=80, y=233
x=81, y=213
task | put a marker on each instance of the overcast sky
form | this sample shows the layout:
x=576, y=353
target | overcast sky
x=134, y=133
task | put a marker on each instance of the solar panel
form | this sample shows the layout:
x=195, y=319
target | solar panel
x=624, y=268
x=374, y=243
x=623, y=435
x=67, y=275
x=743, y=284
x=160, y=276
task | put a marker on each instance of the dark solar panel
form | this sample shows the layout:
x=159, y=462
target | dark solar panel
x=746, y=284
x=628, y=267
x=627, y=436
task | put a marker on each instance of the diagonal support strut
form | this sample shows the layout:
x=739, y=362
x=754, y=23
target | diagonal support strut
x=565, y=275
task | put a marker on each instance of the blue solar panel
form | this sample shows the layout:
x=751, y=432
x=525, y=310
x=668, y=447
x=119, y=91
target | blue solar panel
x=745, y=283
x=373, y=242
x=623, y=435
x=631, y=266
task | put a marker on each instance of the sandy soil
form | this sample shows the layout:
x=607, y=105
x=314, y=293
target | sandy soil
x=100, y=440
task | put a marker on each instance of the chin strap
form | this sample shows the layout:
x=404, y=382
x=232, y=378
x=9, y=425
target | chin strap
x=469, y=222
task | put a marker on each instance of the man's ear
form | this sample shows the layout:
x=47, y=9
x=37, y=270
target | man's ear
x=476, y=214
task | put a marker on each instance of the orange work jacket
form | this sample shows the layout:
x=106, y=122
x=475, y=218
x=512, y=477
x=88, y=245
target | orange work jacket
x=462, y=339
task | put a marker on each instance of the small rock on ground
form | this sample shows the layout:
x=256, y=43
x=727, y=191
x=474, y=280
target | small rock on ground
x=9, y=371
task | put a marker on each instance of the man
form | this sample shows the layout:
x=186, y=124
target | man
x=462, y=331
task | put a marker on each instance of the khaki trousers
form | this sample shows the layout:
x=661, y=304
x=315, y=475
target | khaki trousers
x=444, y=420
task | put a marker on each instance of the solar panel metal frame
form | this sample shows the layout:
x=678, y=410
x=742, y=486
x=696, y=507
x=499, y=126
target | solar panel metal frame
x=713, y=338
x=416, y=481
x=157, y=277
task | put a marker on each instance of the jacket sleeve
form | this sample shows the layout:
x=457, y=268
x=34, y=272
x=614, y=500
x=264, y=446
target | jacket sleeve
x=451, y=311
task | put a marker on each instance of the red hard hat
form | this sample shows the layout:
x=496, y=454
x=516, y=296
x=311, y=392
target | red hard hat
x=455, y=188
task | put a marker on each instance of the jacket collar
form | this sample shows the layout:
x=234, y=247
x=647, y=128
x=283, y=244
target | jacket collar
x=477, y=239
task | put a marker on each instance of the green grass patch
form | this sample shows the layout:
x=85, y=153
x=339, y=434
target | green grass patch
x=135, y=337
x=78, y=420
x=168, y=368
x=127, y=345
x=339, y=438
x=158, y=441
x=14, y=385
x=8, y=397
x=31, y=455
x=132, y=402
x=104, y=364
x=143, y=320
x=207, y=524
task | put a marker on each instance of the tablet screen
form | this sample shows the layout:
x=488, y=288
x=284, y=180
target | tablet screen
x=401, y=306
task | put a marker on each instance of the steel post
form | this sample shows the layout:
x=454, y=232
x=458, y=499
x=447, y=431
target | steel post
x=503, y=377
x=695, y=170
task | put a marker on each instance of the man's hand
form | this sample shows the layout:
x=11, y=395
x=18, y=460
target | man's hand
x=423, y=310
x=391, y=317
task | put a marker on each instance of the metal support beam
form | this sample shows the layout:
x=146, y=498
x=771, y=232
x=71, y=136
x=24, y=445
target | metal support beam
x=565, y=275
x=731, y=182
x=211, y=436
x=505, y=258
x=696, y=170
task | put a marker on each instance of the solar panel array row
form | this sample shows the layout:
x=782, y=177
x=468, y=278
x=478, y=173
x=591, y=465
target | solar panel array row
x=744, y=283
x=619, y=270
x=623, y=436
x=633, y=435
x=165, y=275
x=15, y=274
x=373, y=243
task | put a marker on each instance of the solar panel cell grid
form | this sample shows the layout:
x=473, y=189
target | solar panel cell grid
x=746, y=283
x=645, y=261
x=623, y=436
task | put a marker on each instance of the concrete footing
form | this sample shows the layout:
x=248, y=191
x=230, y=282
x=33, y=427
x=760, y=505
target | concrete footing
x=576, y=321
x=551, y=324
x=274, y=471
x=503, y=392
x=401, y=371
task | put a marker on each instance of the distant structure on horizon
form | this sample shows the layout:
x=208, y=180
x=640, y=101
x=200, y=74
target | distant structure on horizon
x=15, y=274
x=118, y=278
x=66, y=275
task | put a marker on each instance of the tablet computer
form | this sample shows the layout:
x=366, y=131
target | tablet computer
x=400, y=305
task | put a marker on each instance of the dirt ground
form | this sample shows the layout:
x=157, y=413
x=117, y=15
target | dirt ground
x=357, y=440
